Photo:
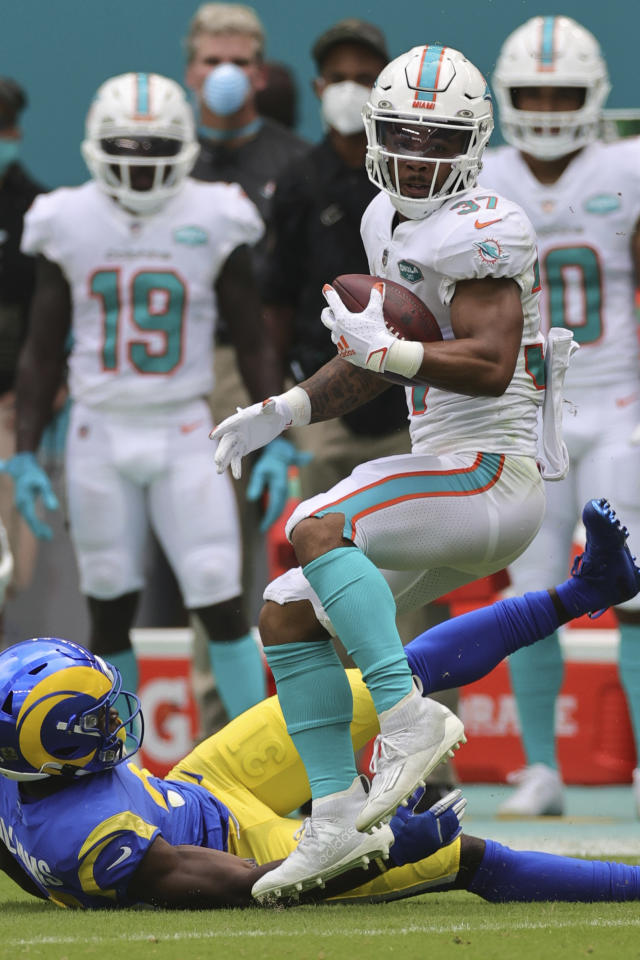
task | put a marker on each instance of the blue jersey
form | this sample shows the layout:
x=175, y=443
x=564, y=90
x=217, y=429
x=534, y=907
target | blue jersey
x=82, y=845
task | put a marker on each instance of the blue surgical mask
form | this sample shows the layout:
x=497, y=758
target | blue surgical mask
x=9, y=152
x=225, y=89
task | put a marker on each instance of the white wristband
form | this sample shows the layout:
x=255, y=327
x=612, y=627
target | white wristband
x=404, y=357
x=300, y=405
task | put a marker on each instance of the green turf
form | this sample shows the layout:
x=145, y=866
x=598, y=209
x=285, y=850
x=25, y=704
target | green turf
x=441, y=925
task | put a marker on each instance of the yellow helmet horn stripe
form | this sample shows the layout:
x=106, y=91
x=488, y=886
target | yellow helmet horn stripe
x=52, y=690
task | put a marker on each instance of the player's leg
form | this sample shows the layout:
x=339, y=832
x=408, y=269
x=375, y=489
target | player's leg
x=461, y=650
x=536, y=672
x=108, y=528
x=404, y=513
x=506, y=875
x=193, y=512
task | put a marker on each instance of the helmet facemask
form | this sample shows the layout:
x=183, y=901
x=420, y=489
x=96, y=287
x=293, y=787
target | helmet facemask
x=422, y=161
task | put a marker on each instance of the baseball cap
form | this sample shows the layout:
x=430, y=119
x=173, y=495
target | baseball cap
x=350, y=31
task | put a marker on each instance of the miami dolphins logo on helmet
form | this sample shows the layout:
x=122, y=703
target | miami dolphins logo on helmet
x=58, y=712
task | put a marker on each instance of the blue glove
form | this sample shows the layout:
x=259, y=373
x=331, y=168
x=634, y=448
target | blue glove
x=271, y=473
x=418, y=835
x=30, y=482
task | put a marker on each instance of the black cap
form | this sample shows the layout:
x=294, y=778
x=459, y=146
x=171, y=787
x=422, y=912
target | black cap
x=350, y=31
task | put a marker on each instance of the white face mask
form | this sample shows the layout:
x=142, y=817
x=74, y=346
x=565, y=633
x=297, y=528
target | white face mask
x=342, y=105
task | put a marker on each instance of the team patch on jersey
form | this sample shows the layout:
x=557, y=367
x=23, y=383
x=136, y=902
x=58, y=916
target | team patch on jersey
x=191, y=236
x=409, y=271
x=490, y=251
x=602, y=203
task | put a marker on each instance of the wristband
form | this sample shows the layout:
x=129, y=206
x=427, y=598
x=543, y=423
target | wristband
x=404, y=357
x=300, y=406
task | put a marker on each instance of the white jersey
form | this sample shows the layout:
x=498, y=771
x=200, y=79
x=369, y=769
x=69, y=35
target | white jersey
x=483, y=235
x=585, y=223
x=142, y=288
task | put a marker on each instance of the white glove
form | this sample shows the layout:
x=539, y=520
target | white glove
x=249, y=429
x=361, y=338
x=256, y=426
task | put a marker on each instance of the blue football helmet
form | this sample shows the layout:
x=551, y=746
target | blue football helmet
x=56, y=715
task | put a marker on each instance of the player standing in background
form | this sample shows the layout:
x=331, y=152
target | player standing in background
x=583, y=198
x=135, y=263
x=468, y=497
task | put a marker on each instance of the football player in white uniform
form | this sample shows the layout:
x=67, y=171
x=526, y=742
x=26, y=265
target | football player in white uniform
x=133, y=263
x=583, y=198
x=406, y=529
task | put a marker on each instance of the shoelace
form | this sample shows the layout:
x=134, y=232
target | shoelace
x=383, y=751
x=305, y=830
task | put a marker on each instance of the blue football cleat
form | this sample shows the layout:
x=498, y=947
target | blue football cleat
x=606, y=564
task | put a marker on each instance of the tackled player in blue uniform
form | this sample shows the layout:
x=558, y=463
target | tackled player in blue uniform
x=82, y=825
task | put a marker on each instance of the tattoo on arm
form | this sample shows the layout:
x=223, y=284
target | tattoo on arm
x=338, y=387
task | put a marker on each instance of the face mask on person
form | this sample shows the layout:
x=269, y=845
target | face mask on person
x=342, y=105
x=9, y=151
x=225, y=89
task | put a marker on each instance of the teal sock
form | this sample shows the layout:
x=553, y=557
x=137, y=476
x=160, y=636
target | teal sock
x=629, y=673
x=536, y=678
x=360, y=605
x=125, y=662
x=317, y=705
x=239, y=672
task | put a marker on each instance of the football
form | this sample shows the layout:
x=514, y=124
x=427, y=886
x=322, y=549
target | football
x=405, y=315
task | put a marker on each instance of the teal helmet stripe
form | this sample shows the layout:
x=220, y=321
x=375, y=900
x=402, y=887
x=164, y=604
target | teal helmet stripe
x=429, y=69
x=142, y=90
x=480, y=476
x=546, y=47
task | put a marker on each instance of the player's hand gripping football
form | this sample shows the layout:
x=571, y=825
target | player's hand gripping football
x=418, y=835
x=361, y=338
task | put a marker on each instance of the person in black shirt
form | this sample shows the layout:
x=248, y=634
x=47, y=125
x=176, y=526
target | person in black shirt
x=17, y=274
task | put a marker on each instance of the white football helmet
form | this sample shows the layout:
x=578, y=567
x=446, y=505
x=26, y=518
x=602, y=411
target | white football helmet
x=140, y=140
x=430, y=108
x=550, y=52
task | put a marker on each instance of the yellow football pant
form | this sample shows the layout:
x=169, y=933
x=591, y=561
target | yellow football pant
x=253, y=767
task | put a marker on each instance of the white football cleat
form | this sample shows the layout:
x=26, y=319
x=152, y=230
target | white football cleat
x=416, y=734
x=329, y=845
x=540, y=794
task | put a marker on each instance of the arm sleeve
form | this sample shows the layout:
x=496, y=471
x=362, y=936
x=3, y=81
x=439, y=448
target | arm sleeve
x=112, y=853
x=505, y=248
x=37, y=235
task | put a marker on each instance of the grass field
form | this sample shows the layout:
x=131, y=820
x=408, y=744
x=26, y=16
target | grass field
x=441, y=925
x=454, y=925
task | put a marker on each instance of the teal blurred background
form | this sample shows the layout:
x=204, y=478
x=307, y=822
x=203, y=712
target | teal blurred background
x=61, y=50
